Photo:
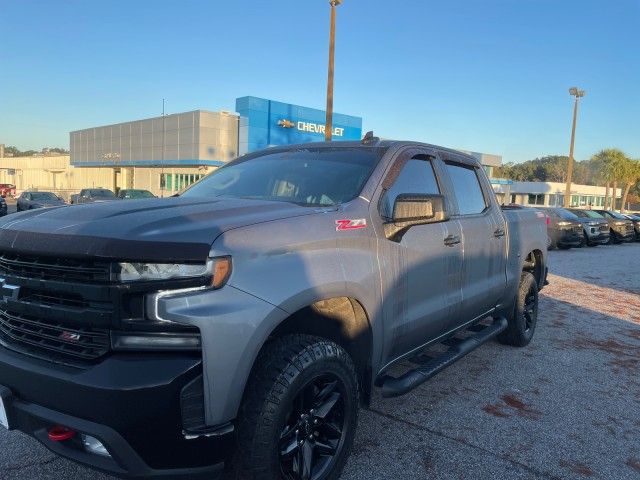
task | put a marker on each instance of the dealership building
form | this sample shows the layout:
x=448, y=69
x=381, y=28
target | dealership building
x=168, y=153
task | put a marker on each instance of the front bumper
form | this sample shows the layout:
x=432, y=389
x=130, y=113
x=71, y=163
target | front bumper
x=568, y=238
x=623, y=235
x=600, y=237
x=131, y=403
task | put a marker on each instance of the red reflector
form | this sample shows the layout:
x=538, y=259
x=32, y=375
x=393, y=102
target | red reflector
x=60, y=434
x=548, y=221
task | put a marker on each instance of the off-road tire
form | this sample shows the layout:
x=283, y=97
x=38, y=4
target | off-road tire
x=519, y=331
x=281, y=370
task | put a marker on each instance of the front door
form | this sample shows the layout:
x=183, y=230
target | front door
x=422, y=276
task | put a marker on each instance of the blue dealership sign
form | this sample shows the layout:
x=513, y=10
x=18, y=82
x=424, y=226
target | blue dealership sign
x=265, y=123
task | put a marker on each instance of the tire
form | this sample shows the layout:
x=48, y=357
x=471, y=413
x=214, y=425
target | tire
x=292, y=374
x=612, y=238
x=524, y=317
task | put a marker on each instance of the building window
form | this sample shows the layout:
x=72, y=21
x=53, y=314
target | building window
x=575, y=200
x=513, y=198
x=536, y=199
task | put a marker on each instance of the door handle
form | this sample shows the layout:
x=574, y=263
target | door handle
x=451, y=240
x=499, y=232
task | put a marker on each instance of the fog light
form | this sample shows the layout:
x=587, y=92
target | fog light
x=93, y=445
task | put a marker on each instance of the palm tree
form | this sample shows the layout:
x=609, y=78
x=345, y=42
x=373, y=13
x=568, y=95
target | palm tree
x=611, y=163
x=631, y=176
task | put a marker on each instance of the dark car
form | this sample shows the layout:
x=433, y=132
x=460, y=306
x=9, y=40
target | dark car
x=93, y=195
x=595, y=230
x=134, y=194
x=33, y=200
x=3, y=207
x=621, y=228
x=635, y=218
x=563, y=232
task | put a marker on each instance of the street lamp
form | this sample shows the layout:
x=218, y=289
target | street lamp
x=328, y=124
x=574, y=91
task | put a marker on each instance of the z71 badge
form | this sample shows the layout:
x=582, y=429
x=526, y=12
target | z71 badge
x=349, y=224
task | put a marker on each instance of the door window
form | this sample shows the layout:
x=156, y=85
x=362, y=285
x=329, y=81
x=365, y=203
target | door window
x=467, y=189
x=417, y=176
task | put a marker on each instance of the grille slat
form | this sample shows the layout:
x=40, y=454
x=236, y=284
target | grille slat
x=34, y=337
x=63, y=311
x=92, y=343
x=54, y=268
x=53, y=332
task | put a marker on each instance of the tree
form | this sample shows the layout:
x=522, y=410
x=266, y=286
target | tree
x=611, y=164
x=631, y=176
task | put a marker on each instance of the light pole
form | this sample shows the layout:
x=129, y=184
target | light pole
x=574, y=91
x=328, y=124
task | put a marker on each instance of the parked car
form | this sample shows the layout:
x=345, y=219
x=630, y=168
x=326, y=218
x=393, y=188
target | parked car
x=244, y=321
x=32, y=200
x=131, y=194
x=635, y=218
x=621, y=228
x=3, y=207
x=595, y=230
x=7, y=190
x=92, y=195
x=563, y=231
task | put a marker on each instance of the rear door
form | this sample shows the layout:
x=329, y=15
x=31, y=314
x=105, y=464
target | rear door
x=483, y=240
x=420, y=271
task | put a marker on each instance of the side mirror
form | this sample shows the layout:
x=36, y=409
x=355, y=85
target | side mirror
x=412, y=209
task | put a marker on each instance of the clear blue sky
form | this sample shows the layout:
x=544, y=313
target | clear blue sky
x=487, y=75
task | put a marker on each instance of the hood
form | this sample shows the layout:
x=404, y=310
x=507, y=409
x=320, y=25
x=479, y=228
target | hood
x=163, y=230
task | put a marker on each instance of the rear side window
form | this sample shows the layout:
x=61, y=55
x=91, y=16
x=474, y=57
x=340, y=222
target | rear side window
x=467, y=189
x=416, y=176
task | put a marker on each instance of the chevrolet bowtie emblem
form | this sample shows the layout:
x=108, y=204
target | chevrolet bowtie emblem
x=286, y=123
x=8, y=292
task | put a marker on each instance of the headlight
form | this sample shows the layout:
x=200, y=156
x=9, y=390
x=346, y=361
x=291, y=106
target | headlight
x=218, y=269
x=563, y=224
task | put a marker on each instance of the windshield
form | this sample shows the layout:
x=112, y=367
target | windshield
x=44, y=197
x=309, y=177
x=138, y=194
x=579, y=213
x=592, y=214
x=614, y=215
x=102, y=193
x=566, y=214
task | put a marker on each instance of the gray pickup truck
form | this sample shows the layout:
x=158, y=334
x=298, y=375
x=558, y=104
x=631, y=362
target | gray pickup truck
x=237, y=328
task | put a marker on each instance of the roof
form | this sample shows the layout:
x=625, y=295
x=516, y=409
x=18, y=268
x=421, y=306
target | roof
x=375, y=143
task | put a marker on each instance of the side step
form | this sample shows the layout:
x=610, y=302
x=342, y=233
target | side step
x=396, y=386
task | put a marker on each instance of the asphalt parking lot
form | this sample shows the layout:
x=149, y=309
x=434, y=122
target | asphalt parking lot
x=566, y=406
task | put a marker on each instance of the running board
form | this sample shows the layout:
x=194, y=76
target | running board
x=396, y=386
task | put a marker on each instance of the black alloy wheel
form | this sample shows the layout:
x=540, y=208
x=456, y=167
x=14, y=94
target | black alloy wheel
x=523, y=319
x=299, y=413
x=314, y=430
x=530, y=308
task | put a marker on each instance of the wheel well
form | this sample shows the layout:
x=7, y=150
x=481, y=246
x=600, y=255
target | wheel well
x=342, y=320
x=533, y=264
